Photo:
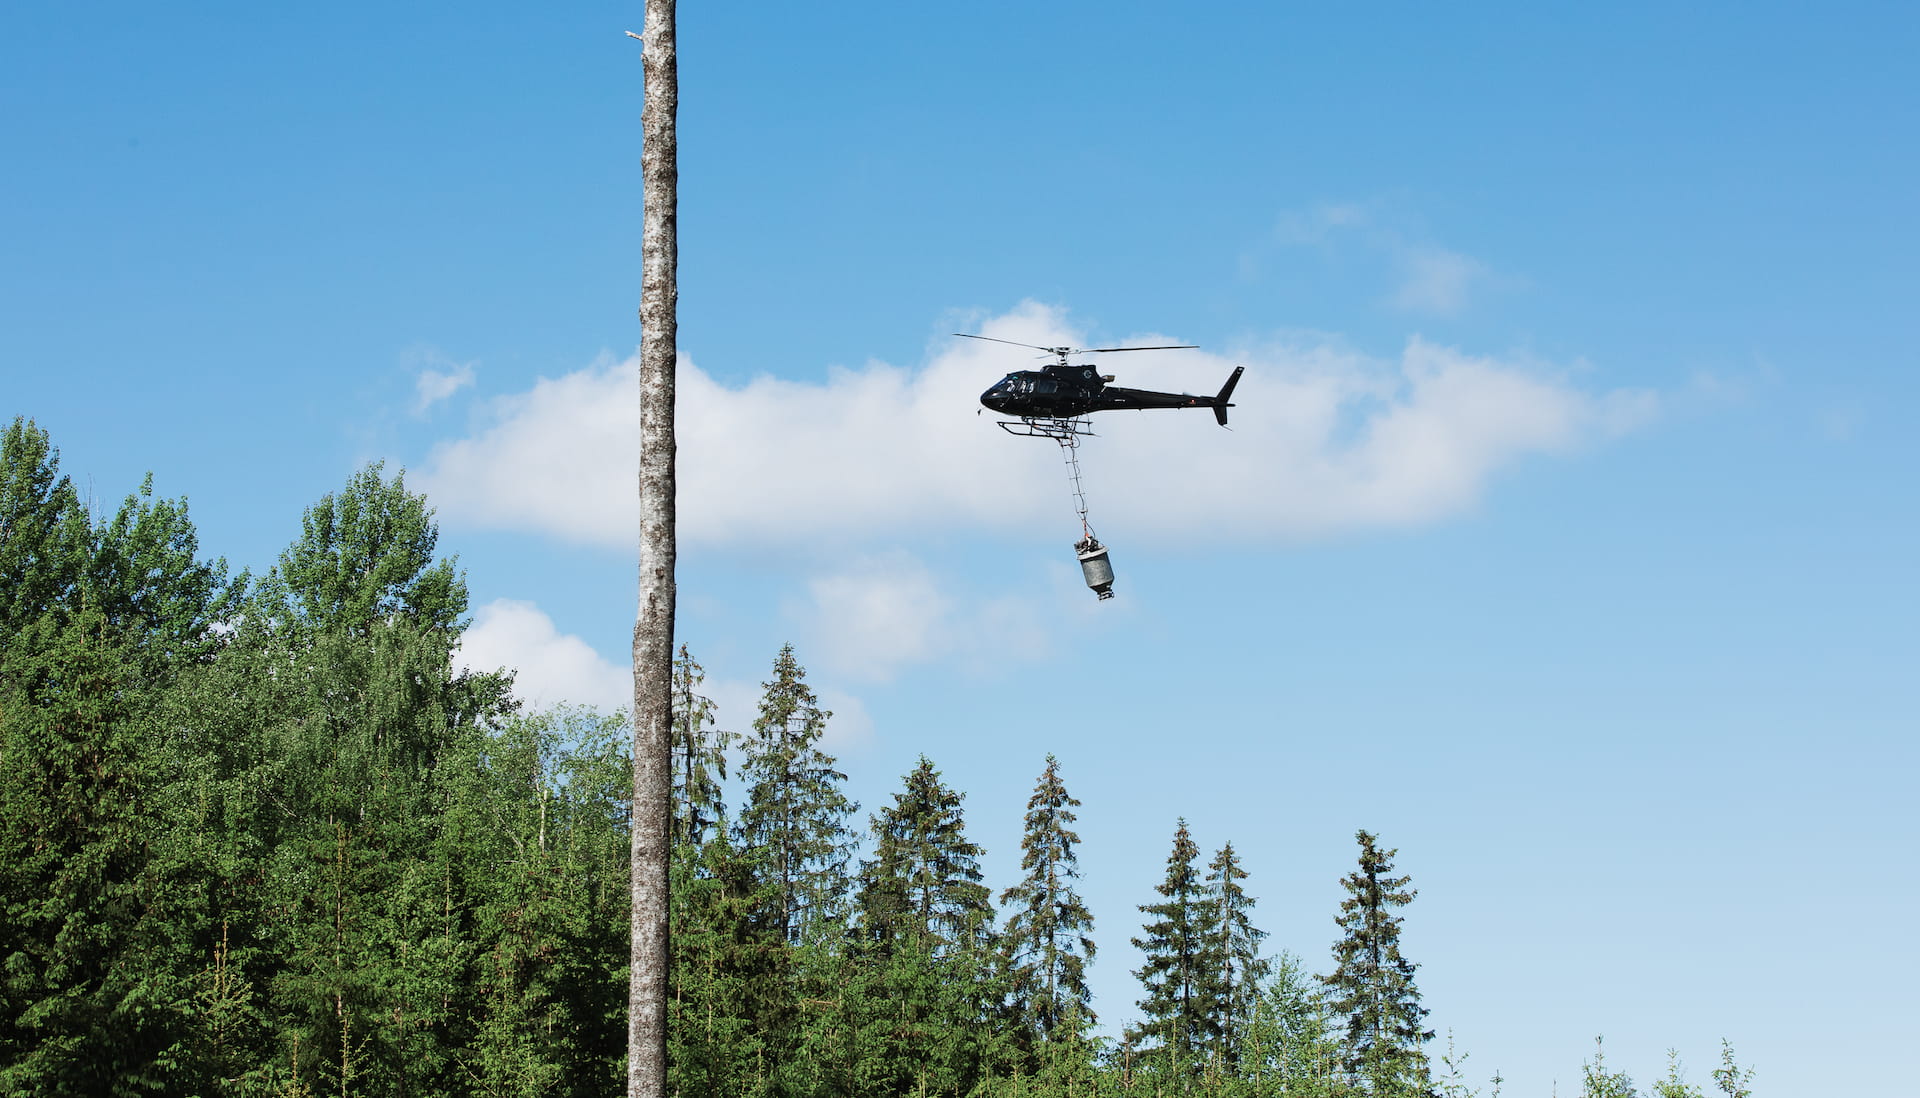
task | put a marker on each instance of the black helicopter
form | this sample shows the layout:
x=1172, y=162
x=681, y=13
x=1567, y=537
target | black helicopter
x=1063, y=391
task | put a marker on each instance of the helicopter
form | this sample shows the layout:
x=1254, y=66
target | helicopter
x=1053, y=403
x=1047, y=400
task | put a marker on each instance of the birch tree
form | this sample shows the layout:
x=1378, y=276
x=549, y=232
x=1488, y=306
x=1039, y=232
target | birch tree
x=653, y=629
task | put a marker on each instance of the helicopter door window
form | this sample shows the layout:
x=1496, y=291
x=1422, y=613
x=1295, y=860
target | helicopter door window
x=1045, y=386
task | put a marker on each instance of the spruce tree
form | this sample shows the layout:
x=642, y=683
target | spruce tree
x=1049, y=929
x=1234, y=985
x=94, y=965
x=732, y=983
x=732, y=971
x=922, y=886
x=1180, y=961
x=925, y=935
x=1372, y=984
x=795, y=818
x=699, y=757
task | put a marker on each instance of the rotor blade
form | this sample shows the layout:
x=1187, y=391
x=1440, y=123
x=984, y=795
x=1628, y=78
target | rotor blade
x=1009, y=342
x=1110, y=350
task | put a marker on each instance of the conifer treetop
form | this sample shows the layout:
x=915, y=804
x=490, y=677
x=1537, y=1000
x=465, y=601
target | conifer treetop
x=1372, y=983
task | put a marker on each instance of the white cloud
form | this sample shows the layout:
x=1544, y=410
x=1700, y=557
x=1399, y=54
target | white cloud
x=432, y=386
x=1325, y=440
x=877, y=615
x=551, y=668
x=850, y=727
x=886, y=611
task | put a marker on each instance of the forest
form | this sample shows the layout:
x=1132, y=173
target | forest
x=262, y=837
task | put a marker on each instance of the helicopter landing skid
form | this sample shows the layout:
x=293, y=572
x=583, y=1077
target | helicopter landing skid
x=1060, y=430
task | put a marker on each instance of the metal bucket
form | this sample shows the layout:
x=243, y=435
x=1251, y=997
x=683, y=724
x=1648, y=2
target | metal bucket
x=1096, y=567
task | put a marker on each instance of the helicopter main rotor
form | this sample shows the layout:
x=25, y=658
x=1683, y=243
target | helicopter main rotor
x=1063, y=352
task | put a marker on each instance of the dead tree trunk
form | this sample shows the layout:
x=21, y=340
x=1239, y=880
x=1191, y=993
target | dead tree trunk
x=653, y=630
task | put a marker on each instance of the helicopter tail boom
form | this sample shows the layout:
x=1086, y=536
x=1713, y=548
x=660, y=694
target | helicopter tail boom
x=1220, y=404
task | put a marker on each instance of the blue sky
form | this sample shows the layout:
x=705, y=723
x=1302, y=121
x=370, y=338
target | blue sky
x=1565, y=536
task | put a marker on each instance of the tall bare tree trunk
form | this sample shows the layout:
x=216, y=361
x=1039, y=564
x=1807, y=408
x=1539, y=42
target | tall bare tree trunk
x=653, y=630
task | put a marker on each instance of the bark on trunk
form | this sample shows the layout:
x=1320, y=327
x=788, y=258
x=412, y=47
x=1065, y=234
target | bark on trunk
x=653, y=630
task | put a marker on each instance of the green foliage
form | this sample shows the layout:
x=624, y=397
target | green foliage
x=910, y=1020
x=365, y=556
x=45, y=537
x=728, y=1007
x=1232, y=985
x=373, y=901
x=374, y=930
x=1290, y=1043
x=1450, y=1081
x=920, y=1006
x=96, y=626
x=922, y=889
x=699, y=757
x=1048, y=938
x=1730, y=1077
x=139, y=570
x=1179, y=959
x=1372, y=984
x=795, y=818
x=271, y=843
x=146, y=577
x=92, y=994
x=1597, y=1082
x=1675, y=1084
x=538, y=834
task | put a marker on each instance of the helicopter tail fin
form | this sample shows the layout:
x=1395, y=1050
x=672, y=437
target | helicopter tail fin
x=1220, y=404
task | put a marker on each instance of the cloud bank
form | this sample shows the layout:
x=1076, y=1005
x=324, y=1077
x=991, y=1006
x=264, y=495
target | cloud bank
x=1325, y=440
x=550, y=667
x=880, y=613
x=842, y=476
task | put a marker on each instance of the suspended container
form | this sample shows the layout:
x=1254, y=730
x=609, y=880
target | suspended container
x=1096, y=567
